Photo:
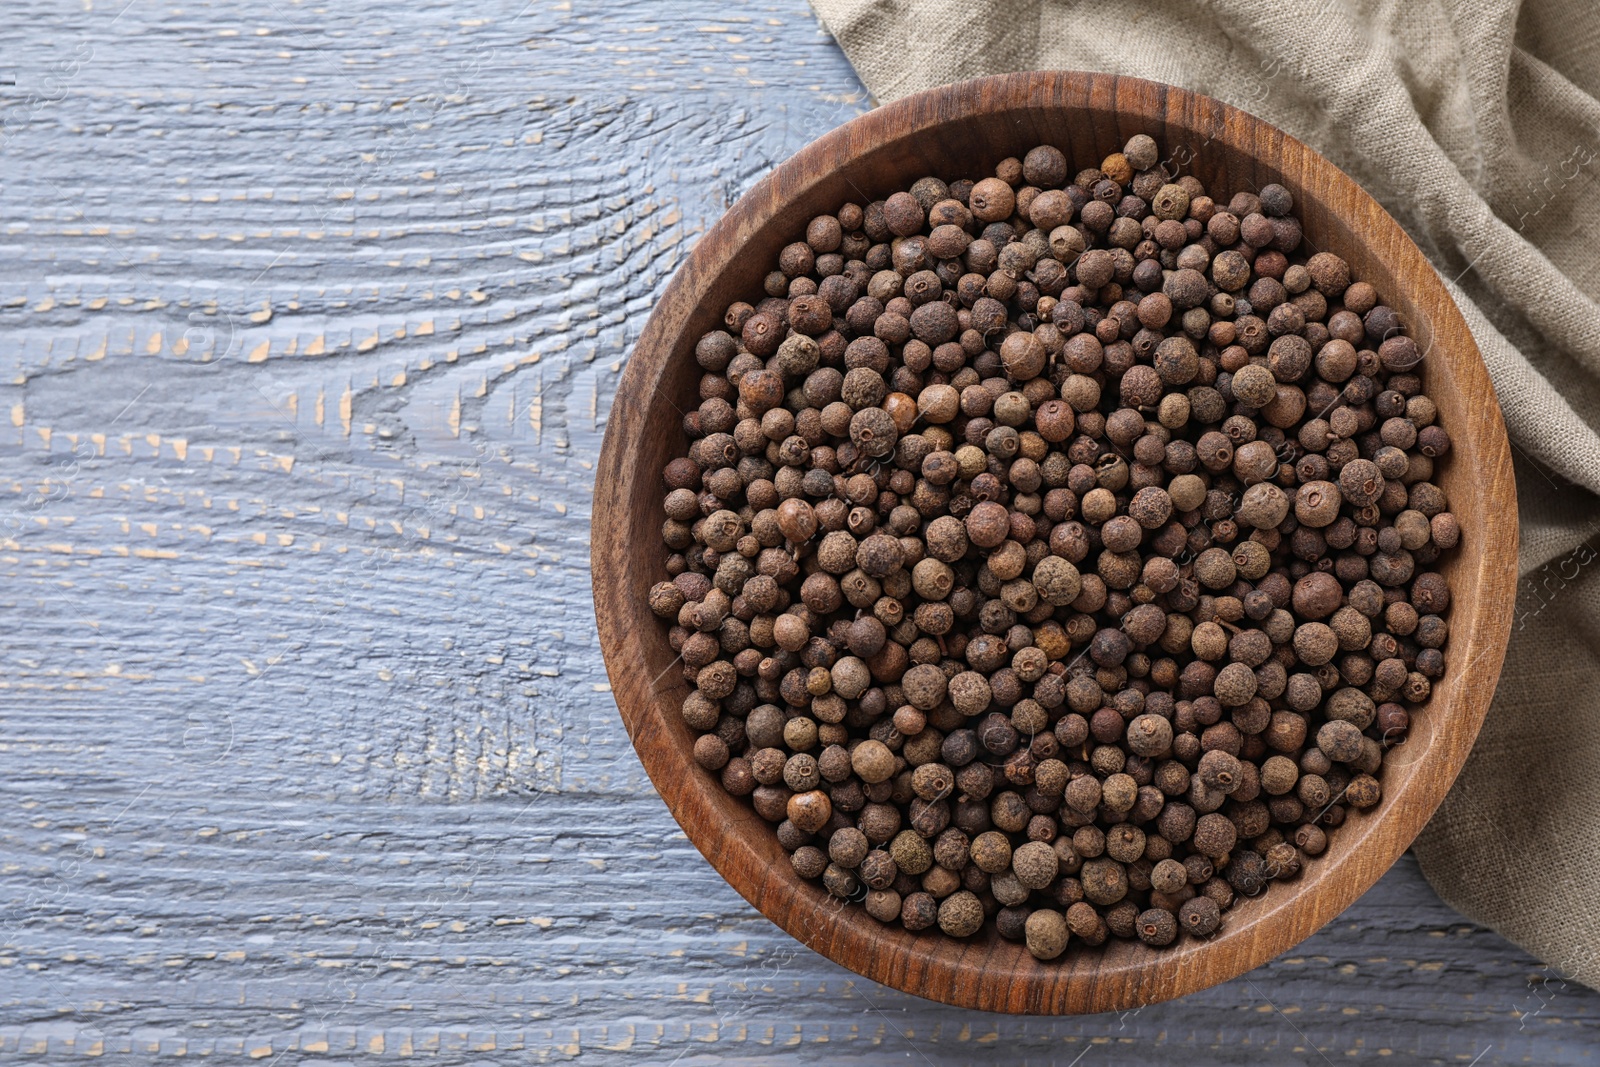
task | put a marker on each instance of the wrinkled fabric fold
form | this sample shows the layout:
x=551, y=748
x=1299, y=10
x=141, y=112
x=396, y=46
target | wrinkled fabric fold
x=1477, y=125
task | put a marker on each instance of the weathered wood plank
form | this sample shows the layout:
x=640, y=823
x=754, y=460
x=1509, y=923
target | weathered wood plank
x=310, y=335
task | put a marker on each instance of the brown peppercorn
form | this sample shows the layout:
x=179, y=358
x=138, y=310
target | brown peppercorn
x=1035, y=864
x=961, y=914
x=878, y=870
x=1200, y=915
x=991, y=852
x=918, y=911
x=970, y=692
x=1046, y=933
x=1363, y=791
x=710, y=752
x=1214, y=836
x=1282, y=861
x=910, y=852
x=809, y=811
x=1105, y=881
x=872, y=761
x=991, y=200
x=1235, y=685
x=1157, y=926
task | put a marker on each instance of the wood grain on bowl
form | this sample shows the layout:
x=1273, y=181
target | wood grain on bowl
x=963, y=131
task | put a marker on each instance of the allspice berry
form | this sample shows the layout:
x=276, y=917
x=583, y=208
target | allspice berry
x=919, y=911
x=1214, y=836
x=1363, y=791
x=1340, y=740
x=1220, y=770
x=1141, y=152
x=808, y=861
x=1149, y=735
x=1105, y=881
x=1035, y=864
x=1317, y=503
x=991, y=852
x=883, y=905
x=911, y=853
x=1157, y=926
x=1168, y=876
x=1310, y=839
x=873, y=761
x=1200, y=916
x=1046, y=933
x=810, y=811
x=710, y=752
x=961, y=914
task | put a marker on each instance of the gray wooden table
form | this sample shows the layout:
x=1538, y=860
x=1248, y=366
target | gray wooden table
x=311, y=319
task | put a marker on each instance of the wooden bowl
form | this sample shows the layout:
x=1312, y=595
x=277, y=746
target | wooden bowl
x=963, y=131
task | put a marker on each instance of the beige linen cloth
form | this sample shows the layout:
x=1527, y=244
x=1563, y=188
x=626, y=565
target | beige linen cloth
x=1477, y=124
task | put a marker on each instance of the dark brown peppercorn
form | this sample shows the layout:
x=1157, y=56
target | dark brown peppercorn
x=1200, y=916
x=1214, y=836
x=961, y=914
x=1156, y=926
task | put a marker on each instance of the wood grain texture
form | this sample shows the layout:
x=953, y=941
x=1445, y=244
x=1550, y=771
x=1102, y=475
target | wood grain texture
x=962, y=131
x=312, y=325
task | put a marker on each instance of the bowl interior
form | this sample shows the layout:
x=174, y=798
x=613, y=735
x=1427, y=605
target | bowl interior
x=963, y=131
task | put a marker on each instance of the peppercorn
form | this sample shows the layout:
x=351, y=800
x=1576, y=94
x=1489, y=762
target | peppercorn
x=1214, y=836
x=1157, y=926
x=1105, y=881
x=1200, y=915
x=1046, y=933
x=961, y=914
x=1363, y=791
x=1035, y=864
x=1282, y=860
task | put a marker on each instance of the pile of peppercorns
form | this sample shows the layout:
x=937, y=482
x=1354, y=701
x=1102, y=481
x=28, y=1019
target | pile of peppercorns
x=1055, y=549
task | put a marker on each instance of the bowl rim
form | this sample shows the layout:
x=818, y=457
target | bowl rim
x=1123, y=975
